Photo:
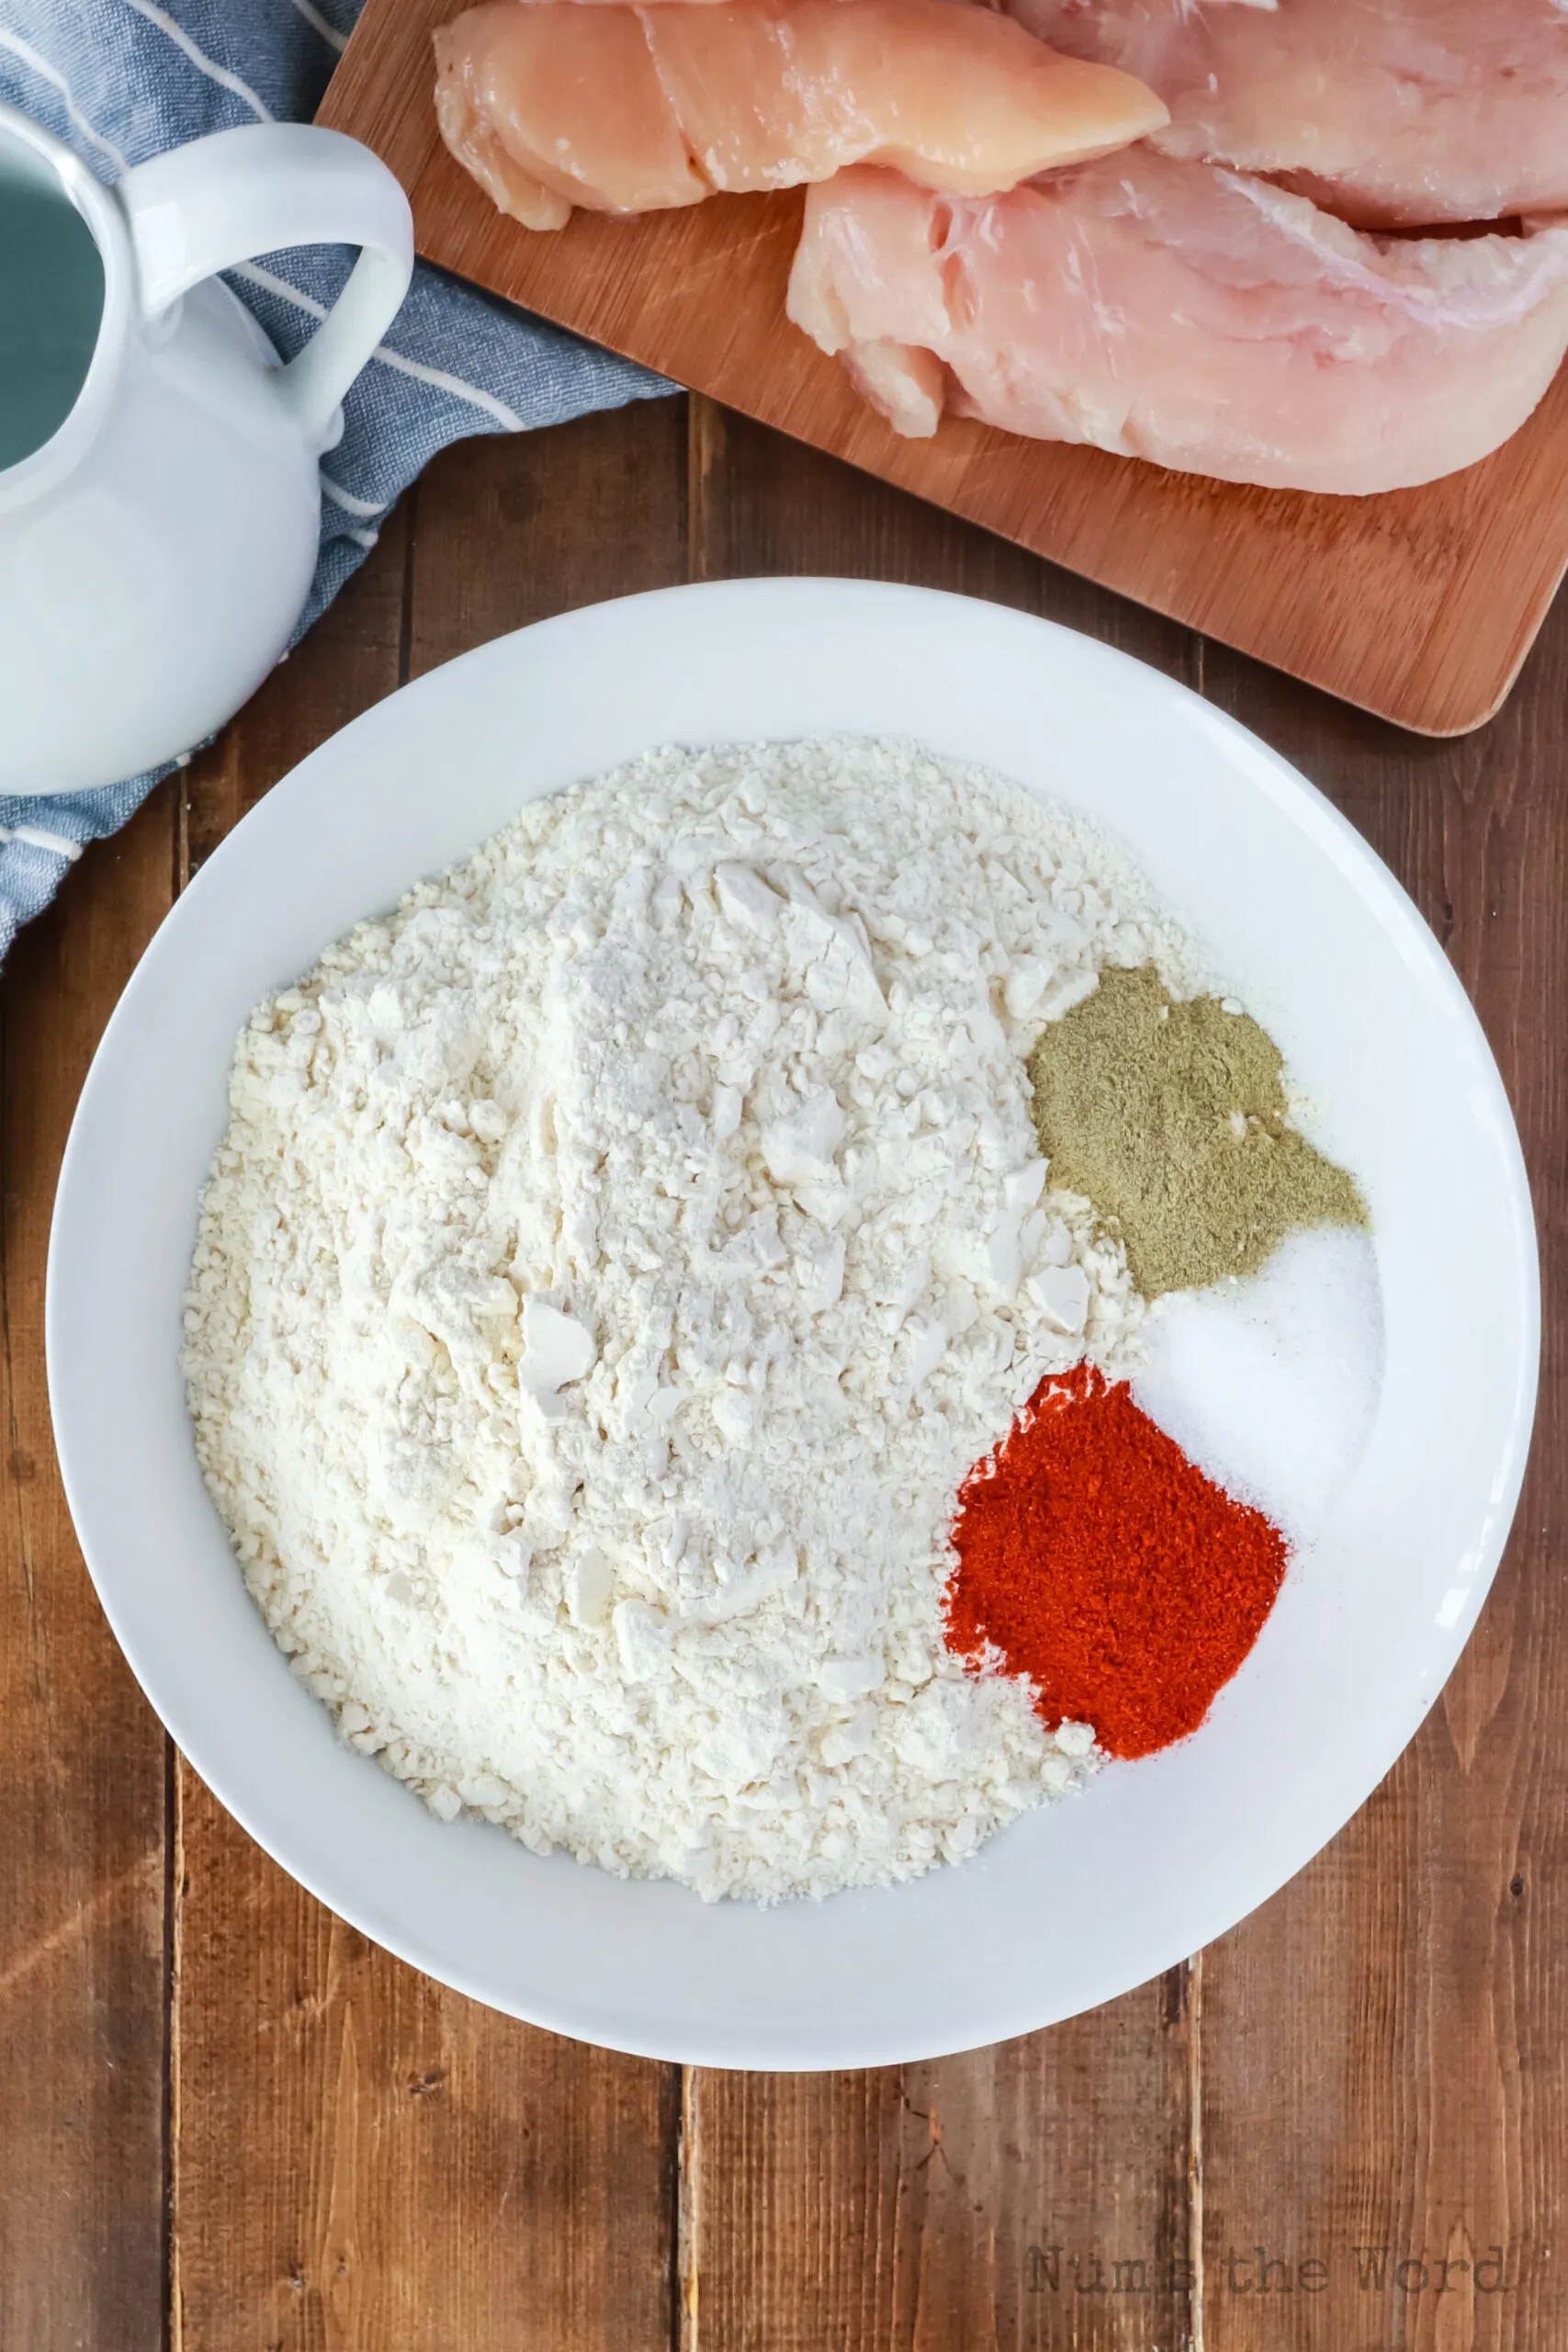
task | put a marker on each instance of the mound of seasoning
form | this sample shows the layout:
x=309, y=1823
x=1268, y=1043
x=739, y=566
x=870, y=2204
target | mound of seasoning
x=1172, y=1119
x=1105, y=1567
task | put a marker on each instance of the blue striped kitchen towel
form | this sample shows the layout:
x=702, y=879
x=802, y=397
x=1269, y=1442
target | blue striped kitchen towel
x=120, y=80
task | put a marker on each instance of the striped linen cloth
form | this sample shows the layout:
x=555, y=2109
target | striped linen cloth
x=120, y=80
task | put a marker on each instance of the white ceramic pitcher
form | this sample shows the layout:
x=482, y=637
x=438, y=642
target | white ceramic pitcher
x=160, y=494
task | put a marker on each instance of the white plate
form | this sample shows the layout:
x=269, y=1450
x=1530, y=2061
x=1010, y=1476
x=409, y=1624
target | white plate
x=1071, y=1906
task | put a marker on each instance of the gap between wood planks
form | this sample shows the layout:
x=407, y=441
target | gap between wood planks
x=1194, y=1995
x=686, y=2232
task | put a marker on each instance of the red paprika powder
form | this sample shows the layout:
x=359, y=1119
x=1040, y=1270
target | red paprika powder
x=1107, y=1567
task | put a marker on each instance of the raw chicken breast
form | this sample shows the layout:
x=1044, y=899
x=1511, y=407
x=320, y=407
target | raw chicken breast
x=630, y=109
x=1388, y=111
x=1184, y=313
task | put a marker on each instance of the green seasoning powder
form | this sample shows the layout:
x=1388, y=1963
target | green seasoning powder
x=1171, y=1118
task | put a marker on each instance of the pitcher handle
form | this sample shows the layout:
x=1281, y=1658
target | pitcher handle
x=225, y=199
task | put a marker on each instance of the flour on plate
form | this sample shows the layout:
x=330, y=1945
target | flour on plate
x=615, y=1262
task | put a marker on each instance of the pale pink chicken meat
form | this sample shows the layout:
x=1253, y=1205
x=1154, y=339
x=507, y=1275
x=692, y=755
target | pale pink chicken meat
x=1390, y=112
x=633, y=109
x=1188, y=314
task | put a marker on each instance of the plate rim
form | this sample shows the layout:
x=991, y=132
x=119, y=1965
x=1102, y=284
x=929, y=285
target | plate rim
x=1355, y=859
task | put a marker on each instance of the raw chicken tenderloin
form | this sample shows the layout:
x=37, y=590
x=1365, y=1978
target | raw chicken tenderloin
x=631, y=109
x=1183, y=314
x=1390, y=112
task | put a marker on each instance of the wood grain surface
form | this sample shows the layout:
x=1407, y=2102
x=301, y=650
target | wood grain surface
x=232, y=2125
x=1419, y=604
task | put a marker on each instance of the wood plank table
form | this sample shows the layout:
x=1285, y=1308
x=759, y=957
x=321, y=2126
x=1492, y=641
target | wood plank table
x=231, y=2124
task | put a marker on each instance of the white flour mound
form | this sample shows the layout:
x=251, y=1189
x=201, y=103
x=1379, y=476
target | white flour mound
x=616, y=1259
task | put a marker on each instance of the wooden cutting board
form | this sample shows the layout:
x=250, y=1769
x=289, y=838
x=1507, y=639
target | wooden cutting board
x=1419, y=604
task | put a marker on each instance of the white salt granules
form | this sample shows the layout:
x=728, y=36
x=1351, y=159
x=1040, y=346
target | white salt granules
x=616, y=1259
x=1270, y=1385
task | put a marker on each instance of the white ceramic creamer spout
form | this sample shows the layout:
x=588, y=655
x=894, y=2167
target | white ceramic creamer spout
x=160, y=495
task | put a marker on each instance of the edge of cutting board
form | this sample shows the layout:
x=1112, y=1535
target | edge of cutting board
x=1418, y=606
